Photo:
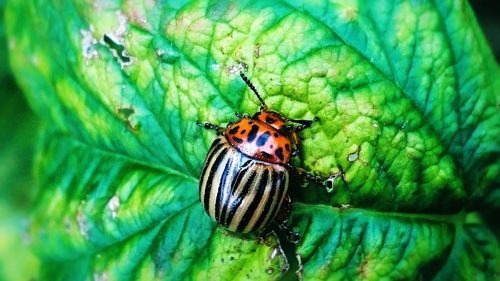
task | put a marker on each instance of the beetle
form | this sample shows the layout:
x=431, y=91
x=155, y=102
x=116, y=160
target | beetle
x=246, y=174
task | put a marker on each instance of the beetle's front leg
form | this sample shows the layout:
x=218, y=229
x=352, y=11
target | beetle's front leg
x=303, y=124
x=328, y=182
x=210, y=126
x=241, y=116
x=317, y=179
x=296, y=143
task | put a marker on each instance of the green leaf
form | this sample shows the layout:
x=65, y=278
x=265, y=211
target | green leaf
x=407, y=98
x=16, y=148
x=129, y=222
x=341, y=244
x=16, y=185
x=473, y=255
x=3, y=45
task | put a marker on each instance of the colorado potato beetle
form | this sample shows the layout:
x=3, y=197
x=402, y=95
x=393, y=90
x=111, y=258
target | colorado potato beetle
x=246, y=174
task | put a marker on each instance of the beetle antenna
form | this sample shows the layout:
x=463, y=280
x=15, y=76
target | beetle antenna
x=252, y=87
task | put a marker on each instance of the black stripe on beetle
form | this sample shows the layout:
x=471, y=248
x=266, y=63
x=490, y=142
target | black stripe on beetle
x=234, y=202
x=219, y=155
x=211, y=153
x=282, y=182
x=221, y=192
x=253, y=133
x=264, y=217
x=235, y=205
x=270, y=120
x=263, y=139
x=237, y=140
x=257, y=198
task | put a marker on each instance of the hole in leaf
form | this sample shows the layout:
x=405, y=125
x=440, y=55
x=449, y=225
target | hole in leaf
x=118, y=50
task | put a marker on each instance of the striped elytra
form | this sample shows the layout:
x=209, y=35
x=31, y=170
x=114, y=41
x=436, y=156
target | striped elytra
x=241, y=193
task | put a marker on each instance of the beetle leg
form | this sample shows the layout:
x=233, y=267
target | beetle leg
x=210, y=126
x=291, y=236
x=241, y=116
x=282, y=220
x=296, y=143
x=328, y=183
x=317, y=179
x=303, y=124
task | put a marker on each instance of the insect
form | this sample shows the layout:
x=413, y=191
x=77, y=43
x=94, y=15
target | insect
x=245, y=178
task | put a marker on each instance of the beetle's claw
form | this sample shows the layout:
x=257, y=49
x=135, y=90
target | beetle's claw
x=294, y=237
x=329, y=183
x=291, y=236
x=241, y=116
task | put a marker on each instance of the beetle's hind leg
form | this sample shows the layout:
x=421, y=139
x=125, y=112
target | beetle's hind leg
x=210, y=126
x=292, y=236
x=282, y=221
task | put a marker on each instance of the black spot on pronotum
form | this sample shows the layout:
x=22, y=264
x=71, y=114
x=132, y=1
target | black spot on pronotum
x=243, y=131
x=270, y=120
x=287, y=147
x=250, y=122
x=234, y=130
x=263, y=138
x=238, y=140
x=276, y=135
x=253, y=133
x=266, y=155
x=279, y=153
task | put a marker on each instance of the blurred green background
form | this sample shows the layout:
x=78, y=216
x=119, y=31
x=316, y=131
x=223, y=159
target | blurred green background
x=18, y=129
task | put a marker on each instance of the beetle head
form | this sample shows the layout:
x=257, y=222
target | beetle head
x=273, y=119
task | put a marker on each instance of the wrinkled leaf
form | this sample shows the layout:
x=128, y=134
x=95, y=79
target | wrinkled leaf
x=342, y=243
x=131, y=222
x=407, y=98
x=473, y=255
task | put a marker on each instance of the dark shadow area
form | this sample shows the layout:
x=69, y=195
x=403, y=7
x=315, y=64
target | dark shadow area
x=488, y=15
